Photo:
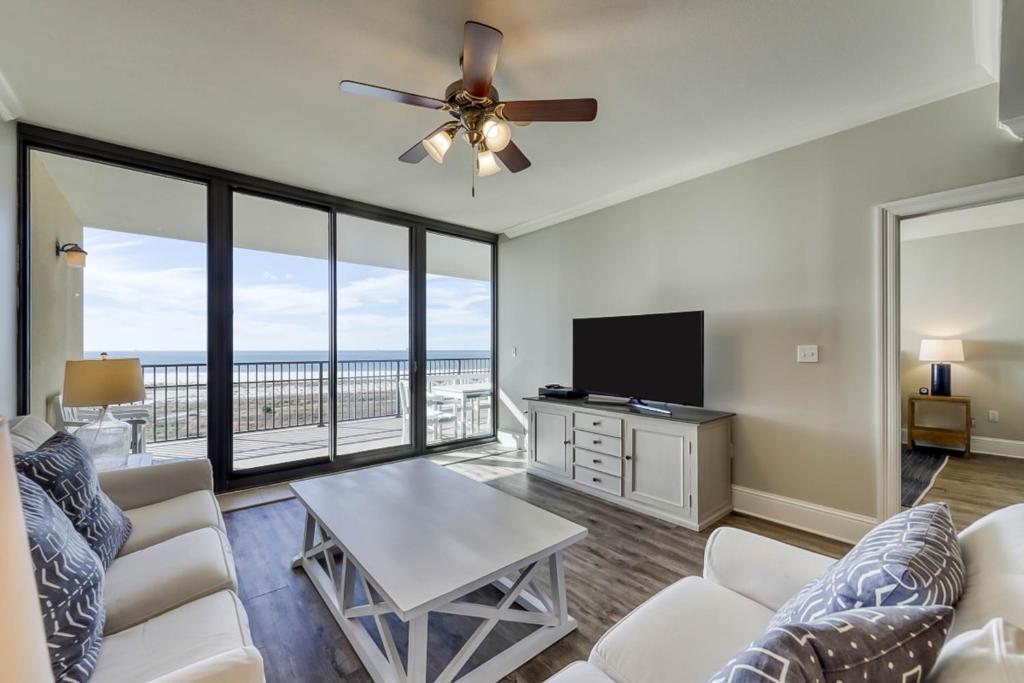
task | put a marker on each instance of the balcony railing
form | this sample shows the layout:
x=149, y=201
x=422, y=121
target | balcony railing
x=270, y=395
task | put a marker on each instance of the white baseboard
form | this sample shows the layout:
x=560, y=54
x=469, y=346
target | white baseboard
x=987, y=445
x=800, y=514
x=512, y=439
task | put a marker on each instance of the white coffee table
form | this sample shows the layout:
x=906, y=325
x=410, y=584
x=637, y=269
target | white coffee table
x=417, y=538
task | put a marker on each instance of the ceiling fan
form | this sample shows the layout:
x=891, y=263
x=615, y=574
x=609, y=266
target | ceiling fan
x=477, y=109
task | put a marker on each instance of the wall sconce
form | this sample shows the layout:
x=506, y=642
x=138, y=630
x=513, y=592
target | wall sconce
x=76, y=255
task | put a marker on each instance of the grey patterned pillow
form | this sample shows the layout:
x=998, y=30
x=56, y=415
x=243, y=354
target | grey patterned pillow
x=69, y=578
x=64, y=469
x=867, y=644
x=911, y=559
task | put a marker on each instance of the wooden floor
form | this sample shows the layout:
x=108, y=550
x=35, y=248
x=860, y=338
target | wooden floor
x=626, y=558
x=975, y=486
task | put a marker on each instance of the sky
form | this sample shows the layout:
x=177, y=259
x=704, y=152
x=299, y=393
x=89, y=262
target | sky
x=145, y=293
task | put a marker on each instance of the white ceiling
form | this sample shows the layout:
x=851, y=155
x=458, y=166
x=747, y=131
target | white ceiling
x=685, y=87
x=998, y=215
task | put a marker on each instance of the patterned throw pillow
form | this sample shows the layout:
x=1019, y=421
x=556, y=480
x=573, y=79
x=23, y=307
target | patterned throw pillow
x=911, y=559
x=69, y=578
x=64, y=469
x=868, y=644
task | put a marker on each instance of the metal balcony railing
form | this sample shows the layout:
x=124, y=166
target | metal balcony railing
x=270, y=395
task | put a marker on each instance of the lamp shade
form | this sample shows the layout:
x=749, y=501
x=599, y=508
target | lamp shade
x=103, y=382
x=22, y=639
x=942, y=350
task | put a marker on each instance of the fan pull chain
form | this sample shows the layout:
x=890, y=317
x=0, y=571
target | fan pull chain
x=472, y=175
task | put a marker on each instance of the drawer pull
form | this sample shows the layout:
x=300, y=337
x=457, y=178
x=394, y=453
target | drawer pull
x=597, y=423
x=596, y=461
x=566, y=442
x=597, y=441
x=596, y=479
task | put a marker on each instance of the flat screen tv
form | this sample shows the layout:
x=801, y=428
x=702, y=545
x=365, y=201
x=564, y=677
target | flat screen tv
x=657, y=357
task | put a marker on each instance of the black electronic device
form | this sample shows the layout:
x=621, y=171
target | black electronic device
x=558, y=391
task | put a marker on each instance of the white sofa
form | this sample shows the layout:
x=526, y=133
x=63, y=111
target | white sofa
x=173, y=612
x=688, y=631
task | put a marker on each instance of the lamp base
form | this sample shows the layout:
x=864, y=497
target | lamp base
x=940, y=379
x=108, y=439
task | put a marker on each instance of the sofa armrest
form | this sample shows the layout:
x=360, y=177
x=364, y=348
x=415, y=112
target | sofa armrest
x=134, y=487
x=765, y=570
x=241, y=665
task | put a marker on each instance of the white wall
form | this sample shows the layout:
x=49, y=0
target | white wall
x=8, y=267
x=778, y=251
x=969, y=286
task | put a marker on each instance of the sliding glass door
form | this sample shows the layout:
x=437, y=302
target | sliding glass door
x=460, y=393
x=281, y=329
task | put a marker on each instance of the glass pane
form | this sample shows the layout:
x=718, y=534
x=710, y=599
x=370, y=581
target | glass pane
x=460, y=398
x=281, y=282
x=373, y=335
x=141, y=294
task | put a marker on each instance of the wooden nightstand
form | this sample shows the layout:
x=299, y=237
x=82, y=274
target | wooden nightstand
x=943, y=435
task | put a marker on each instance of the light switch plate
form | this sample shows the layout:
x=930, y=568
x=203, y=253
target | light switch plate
x=807, y=353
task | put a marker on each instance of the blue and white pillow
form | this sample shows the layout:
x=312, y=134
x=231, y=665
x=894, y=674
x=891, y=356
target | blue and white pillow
x=64, y=469
x=866, y=644
x=911, y=559
x=69, y=577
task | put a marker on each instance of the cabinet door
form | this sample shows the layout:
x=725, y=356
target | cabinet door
x=551, y=440
x=659, y=469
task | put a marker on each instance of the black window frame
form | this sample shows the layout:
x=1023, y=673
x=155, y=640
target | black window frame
x=221, y=185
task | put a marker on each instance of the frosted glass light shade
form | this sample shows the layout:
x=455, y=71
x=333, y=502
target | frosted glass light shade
x=22, y=639
x=487, y=163
x=438, y=144
x=942, y=350
x=103, y=382
x=497, y=135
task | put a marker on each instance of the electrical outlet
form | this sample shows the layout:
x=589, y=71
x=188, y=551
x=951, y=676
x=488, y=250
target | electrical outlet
x=993, y=416
x=807, y=353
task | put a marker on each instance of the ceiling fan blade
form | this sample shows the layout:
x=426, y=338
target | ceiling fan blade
x=584, y=109
x=480, y=47
x=418, y=152
x=399, y=96
x=513, y=158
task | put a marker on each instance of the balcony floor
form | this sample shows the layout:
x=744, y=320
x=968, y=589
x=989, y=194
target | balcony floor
x=293, y=444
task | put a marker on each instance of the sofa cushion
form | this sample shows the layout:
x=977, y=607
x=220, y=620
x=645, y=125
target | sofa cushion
x=912, y=558
x=994, y=559
x=158, y=522
x=994, y=653
x=186, y=635
x=867, y=644
x=28, y=433
x=69, y=578
x=705, y=622
x=580, y=672
x=156, y=579
x=64, y=469
x=242, y=665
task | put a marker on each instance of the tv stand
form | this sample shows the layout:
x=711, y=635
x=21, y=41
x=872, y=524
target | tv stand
x=631, y=402
x=675, y=465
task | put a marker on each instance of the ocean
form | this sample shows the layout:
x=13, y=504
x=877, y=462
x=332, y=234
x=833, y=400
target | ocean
x=199, y=357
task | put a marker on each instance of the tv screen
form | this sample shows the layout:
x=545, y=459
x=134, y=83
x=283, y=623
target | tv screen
x=657, y=357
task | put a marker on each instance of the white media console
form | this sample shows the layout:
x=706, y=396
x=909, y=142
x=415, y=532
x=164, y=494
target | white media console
x=675, y=467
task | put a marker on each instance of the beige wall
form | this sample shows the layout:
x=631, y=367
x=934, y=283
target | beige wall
x=56, y=288
x=778, y=251
x=8, y=268
x=968, y=285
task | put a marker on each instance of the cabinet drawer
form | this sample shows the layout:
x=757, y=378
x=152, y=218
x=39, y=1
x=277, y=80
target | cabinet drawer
x=598, y=480
x=609, y=445
x=598, y=424
x=598, y=461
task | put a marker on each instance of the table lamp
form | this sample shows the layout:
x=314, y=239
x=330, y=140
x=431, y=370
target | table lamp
x=940, y=352
x=103, y=383
x=22, y=639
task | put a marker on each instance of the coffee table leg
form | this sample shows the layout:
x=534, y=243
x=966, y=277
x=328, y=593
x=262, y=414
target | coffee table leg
x=417, y=655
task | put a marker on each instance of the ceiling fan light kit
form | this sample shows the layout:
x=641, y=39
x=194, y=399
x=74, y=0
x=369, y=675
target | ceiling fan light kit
x=478, y=111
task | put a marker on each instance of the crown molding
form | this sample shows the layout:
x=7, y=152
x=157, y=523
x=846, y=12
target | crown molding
x=10, y=107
